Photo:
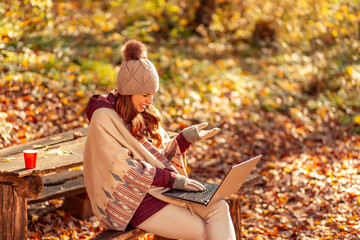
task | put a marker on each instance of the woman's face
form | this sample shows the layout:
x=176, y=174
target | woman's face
x=141, y=101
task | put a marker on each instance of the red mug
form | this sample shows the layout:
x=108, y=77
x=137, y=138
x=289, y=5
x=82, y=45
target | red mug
x=30, y=158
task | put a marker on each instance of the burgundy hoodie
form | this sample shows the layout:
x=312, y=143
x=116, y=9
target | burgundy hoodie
x=100, y=101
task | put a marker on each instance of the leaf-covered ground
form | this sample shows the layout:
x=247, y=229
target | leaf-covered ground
x=296, y=106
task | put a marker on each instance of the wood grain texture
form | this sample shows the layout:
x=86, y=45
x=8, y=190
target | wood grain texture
x=235, y=212
x=13, y=215
x=26, y=187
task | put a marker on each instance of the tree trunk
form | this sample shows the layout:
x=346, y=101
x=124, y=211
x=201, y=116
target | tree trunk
x=203, y=15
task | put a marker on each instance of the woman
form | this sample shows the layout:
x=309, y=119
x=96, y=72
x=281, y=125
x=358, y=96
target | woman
x=129, y=160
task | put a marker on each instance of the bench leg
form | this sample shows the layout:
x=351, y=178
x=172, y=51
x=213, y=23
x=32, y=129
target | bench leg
x=78, y=205
x=235, y=212
x=13, y=216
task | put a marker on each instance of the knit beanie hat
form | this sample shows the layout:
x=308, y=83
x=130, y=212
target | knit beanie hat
x=137, y=75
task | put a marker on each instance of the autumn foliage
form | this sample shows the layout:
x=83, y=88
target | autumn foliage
x=280, y=78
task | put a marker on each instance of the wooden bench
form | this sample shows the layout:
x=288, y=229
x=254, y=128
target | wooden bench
x=54, y=177
x=17, y=184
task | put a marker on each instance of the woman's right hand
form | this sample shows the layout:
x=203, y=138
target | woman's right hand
x=187, y=184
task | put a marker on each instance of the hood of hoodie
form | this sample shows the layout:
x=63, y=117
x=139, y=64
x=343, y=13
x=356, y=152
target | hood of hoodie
x=100, y=101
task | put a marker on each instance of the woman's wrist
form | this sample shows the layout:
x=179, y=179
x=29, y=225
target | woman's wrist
x=182, y=142
x=163, y=178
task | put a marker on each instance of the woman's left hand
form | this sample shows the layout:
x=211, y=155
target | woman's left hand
x=196, y=133
x=205, y=134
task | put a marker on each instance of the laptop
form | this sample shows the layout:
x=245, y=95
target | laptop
x=231, y=184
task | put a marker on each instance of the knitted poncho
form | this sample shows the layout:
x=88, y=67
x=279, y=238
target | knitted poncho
x=119, y=169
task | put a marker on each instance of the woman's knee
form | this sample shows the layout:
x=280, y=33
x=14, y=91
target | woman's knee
x=221, y=205
x=218, y=210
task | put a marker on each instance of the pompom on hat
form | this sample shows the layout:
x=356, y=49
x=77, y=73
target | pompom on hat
x=137, y=75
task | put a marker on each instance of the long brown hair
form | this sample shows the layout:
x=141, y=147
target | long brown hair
x=149, y=118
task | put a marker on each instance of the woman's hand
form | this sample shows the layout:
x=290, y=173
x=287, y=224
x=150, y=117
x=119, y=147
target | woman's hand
x=196, y=133
x=205, y=134
x=187, y=184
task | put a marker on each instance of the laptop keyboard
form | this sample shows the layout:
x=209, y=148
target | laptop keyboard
x=202, y=196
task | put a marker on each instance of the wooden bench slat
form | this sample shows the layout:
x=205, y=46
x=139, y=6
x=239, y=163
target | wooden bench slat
x=48, y=141
x=69, y=188
x=62, y=177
